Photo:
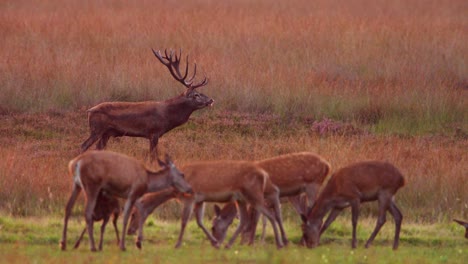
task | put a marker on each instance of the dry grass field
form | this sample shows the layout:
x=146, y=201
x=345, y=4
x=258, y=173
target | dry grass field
x=350, y=80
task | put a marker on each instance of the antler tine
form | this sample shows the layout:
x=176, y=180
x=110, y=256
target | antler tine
x=160, y=57
x=172, y=61
x=202, y=83
x=194, y=72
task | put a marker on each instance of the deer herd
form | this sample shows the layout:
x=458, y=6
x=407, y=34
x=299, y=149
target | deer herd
x=249, y=189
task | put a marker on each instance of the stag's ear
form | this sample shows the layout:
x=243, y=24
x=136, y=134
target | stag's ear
x=217, y=210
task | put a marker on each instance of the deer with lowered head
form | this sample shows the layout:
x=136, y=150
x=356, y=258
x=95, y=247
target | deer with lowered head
x=349, y=187
x=242, y=182
x=120, y=176
x=106, y=206
x=294, y=174
x=150, y=119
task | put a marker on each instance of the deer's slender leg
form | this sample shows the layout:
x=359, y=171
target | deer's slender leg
x=242, y=208
x=354, y=219
x=398, y=217
x=199, y=212
x=186, y=212
x=71, y=202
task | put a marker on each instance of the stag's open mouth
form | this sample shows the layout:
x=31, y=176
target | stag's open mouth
x=210, y=103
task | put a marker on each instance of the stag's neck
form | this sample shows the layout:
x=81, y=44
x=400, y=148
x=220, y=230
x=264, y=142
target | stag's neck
x=178, y=111
x=159, y=180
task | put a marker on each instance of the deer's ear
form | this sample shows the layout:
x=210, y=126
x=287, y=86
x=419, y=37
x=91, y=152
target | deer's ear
x=217, y=210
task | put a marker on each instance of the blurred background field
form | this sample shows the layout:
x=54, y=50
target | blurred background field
x=349, y=80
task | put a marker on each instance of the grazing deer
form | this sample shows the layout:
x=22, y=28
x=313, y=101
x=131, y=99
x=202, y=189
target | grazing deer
x=357, y=183
x=294, y=174
x=464, y=224
x=105, y=207
x=117, y=175
x=221, y=181
x=149, y=119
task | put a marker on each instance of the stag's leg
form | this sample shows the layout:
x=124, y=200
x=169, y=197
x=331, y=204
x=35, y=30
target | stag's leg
x=384, y=203
x=242, y=208
x=186, y=212
x=102, y=143
x=398, y=217
x=199, y=212
x=331, y=217
x=89, y=141
x=91, y=197
x=354, y=219
x=76, y=191
x=77, y=244
x=153, y=147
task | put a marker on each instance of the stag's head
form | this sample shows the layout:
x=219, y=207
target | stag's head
x=171, y=60
x=311, y=231
x=177, y=178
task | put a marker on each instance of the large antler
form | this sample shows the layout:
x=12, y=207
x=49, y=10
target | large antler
x=172, y=63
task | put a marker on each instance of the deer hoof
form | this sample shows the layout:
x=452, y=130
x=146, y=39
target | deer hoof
x=63, y=245
x=138, y=244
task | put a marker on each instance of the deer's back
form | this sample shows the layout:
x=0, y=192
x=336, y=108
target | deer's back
x=109, y=169
x=289, y=169
x=218, y=176
x=367, y=178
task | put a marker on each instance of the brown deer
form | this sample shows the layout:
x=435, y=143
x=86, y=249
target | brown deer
x=120, y=176
x=357, y=183
x=149, y=119
x=464, y=224
x=294, y=174
x=105, y=207
x=221, y=181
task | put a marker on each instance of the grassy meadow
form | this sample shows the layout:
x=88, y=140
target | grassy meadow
x=349, y=80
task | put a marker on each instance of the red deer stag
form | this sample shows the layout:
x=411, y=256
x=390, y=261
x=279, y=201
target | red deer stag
x=149, y=119
x=293, y=174
x=221, y=181
x=357, y=183
x=105, y=207
x=464, y=224
x=120, y=176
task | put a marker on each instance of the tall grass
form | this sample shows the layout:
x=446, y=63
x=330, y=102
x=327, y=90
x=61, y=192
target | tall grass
x=34, y=178
x=404, y=61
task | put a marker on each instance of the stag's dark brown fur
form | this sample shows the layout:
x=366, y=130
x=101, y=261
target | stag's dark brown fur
x=150, y=119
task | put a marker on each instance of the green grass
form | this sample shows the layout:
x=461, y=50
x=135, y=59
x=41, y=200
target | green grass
x=35, y=240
